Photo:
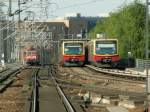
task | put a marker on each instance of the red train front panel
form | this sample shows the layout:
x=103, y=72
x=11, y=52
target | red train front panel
x=73, y=53
x=105, y=53
x=31, y=57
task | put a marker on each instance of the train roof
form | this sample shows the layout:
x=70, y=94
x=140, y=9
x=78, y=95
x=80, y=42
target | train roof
x=75, y=40
x=104, y=39
x=30, y=51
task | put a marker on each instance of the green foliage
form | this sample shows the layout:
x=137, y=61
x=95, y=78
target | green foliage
x=128, y=26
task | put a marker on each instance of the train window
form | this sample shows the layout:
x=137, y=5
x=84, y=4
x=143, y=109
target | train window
x=28, y=53
x=33, y=53
x=106, y=47
x=66, y=50
x=73, y=48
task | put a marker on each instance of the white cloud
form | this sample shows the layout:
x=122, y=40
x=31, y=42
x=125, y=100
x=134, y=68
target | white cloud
x=71, y=14
x=103, y=14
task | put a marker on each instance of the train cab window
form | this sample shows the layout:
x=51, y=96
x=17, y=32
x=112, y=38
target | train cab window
x=29, y=53
x=106, y=47
x=73, y=48
x=33, y=53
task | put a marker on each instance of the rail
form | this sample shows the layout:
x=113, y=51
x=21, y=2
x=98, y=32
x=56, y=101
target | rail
x=1, y=71
x=117, y=72
x=66, y=102
x=7, y=75
x=34, y=104
x=6, y=78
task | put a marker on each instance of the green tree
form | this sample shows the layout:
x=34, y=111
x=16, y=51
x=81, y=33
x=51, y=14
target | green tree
x=128, y=26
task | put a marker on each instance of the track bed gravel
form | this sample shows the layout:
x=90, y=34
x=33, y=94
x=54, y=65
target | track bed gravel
x=72, y=77
x=14, y=98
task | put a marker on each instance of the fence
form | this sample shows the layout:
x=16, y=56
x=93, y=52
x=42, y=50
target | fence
x=142, y=63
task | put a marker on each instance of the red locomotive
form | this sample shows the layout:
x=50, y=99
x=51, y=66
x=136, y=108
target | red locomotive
x=73, y=53
x=103, y=52
x=31, y=56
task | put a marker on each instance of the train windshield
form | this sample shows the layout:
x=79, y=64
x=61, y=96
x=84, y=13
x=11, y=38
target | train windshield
x=73, y=48
x=106, y=47
x=30, y=53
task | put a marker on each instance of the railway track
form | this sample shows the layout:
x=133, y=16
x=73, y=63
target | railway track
x=35, y=90
x=75, y=79
x=47, y=95
x=89, y=74
x=85, y=73
x=3, y=70
x=113, y=79
x=7, y=77
x=13, y=93
x=66, y=102
x=125, y=75
x=51, y=90
x=34, y=96
x=104, y=91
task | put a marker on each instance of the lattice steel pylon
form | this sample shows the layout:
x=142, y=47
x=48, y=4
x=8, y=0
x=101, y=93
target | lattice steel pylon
x=44, y=5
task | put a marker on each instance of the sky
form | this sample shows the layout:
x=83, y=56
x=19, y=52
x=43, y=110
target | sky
x=88, y=7
x=59, y=8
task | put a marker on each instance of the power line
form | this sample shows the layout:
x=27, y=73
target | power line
x=12, y=23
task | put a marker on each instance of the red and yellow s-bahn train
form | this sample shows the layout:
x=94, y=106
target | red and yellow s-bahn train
x=73, y=53
x=103, y=52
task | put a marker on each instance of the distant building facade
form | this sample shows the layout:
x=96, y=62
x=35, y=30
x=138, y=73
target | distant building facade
x=83, y=23
x=77, y=25
x=64, y=27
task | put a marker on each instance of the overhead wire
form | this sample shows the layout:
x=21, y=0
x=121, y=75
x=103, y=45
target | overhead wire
x=11, y=35
x=41, y=31
x=12, y=23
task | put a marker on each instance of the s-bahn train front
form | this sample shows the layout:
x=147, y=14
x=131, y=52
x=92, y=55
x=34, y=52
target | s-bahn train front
x=104, y=52
x=31, y=57
x=73, y=53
